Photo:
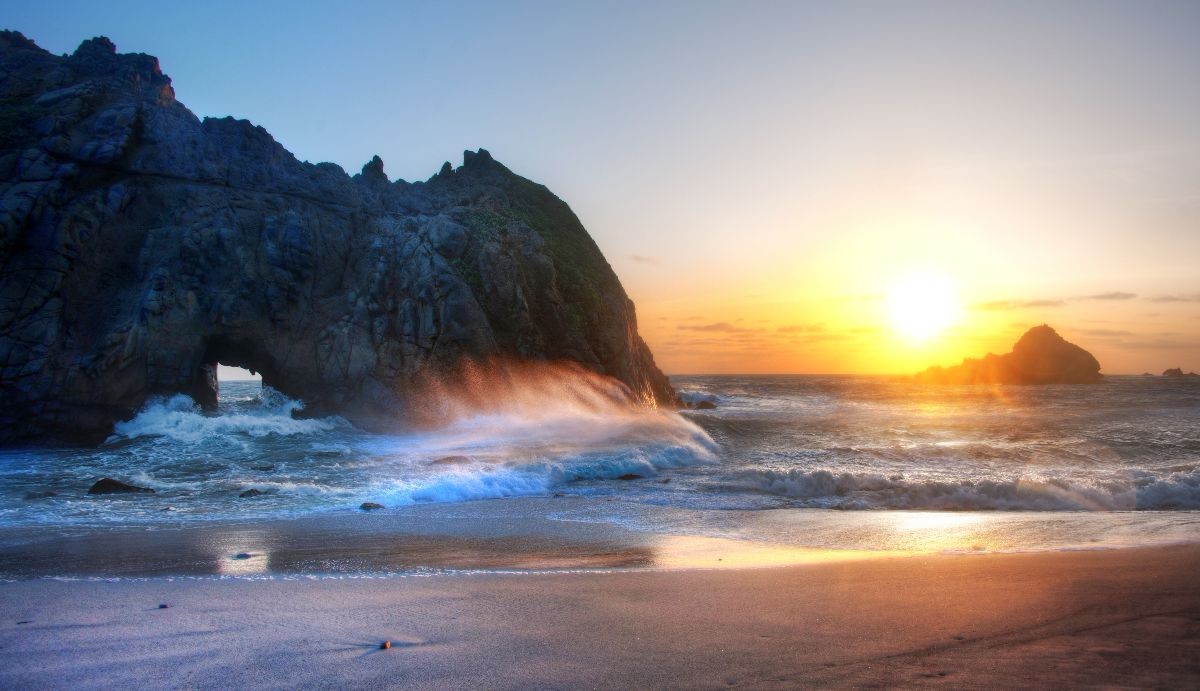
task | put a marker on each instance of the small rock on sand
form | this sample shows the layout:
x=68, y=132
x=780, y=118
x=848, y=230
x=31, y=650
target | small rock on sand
x=704, y=405
x=370, y=506
x=630, y=476
x=243, y=555
x=385, y=645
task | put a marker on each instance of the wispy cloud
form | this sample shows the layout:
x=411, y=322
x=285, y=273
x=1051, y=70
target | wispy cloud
x=646, y=259
x=1193, y=297
x=718, y=327
x=997, y=305
x=801, y=328
x=1105, y=333
x=1113, y=295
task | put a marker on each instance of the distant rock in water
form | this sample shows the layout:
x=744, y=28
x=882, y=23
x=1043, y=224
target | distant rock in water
x=140, y=246
x=108, y=485
x=1178, y=372
x=1041, y=356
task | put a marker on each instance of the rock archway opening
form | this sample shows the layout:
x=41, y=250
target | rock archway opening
x=229, y=360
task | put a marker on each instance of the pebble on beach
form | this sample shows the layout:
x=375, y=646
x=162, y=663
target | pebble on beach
x=386, y=645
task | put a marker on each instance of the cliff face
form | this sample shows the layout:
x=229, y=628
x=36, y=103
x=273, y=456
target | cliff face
x=139, y=246
x=1041, y=356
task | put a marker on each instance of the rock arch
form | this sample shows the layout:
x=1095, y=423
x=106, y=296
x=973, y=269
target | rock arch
x=139, y=245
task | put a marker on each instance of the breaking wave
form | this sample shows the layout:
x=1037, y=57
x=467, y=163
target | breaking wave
x=181, y=419
x=826, y=489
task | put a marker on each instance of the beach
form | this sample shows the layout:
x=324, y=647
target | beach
x=1120, y=617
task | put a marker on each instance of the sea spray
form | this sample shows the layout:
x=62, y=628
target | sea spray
x=181, y=419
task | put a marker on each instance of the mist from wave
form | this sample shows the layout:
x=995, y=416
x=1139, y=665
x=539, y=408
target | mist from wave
x=489, y=431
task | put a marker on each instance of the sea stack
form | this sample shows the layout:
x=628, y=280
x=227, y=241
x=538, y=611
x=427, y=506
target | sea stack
x=1041, y=356
x=141, y=245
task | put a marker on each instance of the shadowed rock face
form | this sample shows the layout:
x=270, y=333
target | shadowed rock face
x=1041, y=356
x=139, y=246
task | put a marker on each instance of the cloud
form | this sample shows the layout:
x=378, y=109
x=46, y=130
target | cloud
x=1018, y=304
x=1113, y=295
x=720, y=327
x=801, y=328
x=1194, y=297
x=646, y=259
x=1105, y=333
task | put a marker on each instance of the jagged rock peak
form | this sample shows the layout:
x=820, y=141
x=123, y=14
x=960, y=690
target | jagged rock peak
x=477, y=158
x=99, y=46
x=373, y=170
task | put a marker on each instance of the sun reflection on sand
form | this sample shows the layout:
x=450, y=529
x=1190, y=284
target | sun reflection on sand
x=940, y=531
x=239, y=557
x=692, y=552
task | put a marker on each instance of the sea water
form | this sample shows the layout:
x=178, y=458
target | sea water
x=842, y=462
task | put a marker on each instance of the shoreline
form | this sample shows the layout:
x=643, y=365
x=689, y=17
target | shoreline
x=1113, y=617
x=547, y=535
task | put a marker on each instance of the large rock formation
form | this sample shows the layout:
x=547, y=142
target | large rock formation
x=140, y=246
x=1041, y=356
x=1178, y=372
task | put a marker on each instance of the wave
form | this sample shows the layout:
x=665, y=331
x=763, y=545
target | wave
x=693, y=397
x=473, y=480
x=181, y=419
x=1136, y=490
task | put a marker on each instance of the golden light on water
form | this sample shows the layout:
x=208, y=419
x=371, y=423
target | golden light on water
x=922, y=305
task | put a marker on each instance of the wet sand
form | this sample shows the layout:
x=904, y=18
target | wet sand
x=1121, y=617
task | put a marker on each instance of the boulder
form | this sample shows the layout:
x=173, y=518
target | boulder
x=141, y=245
x=108, y=485
x=1041, y=356
x=370, y=506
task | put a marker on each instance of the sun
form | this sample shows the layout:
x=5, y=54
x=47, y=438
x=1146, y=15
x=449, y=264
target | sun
x=922, y=305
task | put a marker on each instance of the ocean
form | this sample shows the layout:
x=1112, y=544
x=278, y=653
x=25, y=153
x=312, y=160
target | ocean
x=828, y=462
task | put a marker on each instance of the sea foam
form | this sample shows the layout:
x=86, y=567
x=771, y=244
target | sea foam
x=181, y=419
x=1125, y=491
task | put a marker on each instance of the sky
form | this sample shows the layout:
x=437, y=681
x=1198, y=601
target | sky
x=762, y=176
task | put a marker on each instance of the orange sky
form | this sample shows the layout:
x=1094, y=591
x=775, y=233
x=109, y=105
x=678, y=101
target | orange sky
x=759, y=174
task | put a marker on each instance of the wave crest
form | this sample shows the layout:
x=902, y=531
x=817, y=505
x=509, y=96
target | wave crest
x=181, y=419
x=826, y=489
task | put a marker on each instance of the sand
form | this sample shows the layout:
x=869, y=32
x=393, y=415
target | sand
x=1120, y=617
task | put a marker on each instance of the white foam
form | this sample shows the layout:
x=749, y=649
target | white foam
x=180, y=419
x=846, y=490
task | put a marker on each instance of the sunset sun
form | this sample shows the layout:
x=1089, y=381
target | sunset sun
x=921, y=305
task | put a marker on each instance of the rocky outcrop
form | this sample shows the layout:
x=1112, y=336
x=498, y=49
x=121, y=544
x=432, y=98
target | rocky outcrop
x=140, y=246
x=1178, y=372
x=1041, y=356
x=107, y=485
